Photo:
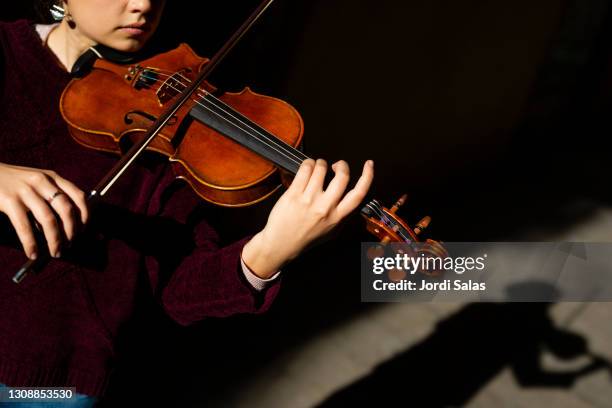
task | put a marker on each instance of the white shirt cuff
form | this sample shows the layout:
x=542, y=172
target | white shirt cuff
x=256, y=282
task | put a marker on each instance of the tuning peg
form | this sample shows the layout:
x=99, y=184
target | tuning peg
x=398, y=203
x=375, y=251
x=421, y=225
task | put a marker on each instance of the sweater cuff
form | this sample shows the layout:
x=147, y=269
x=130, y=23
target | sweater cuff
x=255, y=281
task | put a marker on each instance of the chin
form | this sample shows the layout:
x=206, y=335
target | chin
x=128, y=45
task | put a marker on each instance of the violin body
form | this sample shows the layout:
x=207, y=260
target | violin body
x=113, y=106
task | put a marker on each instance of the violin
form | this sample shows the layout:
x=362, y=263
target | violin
x=227, y=146
x=233, y=149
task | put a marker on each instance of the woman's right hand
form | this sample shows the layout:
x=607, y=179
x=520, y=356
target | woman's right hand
x=59, y=207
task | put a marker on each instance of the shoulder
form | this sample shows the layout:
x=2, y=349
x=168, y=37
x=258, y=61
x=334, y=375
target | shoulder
x=23, y=50
x=17, y=28
x=16, y=36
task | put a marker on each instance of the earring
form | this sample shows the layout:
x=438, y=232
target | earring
x=70, y=20
x=57, y=13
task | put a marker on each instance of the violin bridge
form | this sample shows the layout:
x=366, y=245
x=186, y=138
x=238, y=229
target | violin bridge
x=145, y=78
x=173, y=86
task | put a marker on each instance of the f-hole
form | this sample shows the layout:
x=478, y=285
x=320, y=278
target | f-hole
x=128, y=116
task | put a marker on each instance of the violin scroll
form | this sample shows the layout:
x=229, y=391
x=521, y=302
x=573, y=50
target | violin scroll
x=387, y=226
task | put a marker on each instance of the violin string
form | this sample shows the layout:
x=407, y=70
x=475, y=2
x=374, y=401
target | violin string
x=228, y=110
x=216, y=102
x=219, y=104
x=291, y=159
x=274, y=146
x=384, y=218
x=208, y=97
x=393, y=221
x=380, y=215
x=264, y=140
x=288, y=150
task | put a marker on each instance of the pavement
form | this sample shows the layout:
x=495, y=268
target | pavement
x=308, y=373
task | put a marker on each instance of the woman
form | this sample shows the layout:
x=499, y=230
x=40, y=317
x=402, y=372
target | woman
x=58, y=328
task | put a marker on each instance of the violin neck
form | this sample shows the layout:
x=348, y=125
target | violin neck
x=222, y=118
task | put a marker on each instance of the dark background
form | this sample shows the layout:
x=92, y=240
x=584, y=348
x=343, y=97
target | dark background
x=492, y=115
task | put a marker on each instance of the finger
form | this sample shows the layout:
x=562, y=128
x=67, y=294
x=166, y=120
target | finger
x=315, y=184
x=354, y=197
x=63, y=206
x=336, y=187
x=77, y=196
x=300, y=181
x=18, y=216
x=47, y=220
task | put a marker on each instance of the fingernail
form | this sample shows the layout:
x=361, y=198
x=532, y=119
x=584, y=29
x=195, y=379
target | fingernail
x=33, y=256
x=370, y=162
x=57, y=254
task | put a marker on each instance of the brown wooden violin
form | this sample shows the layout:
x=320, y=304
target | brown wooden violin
x=234, y=149
x=227, y=146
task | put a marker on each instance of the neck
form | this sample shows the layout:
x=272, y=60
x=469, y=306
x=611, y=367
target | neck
x=68, y=44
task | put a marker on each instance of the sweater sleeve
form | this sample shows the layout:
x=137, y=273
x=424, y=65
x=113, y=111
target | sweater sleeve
x=208, y=281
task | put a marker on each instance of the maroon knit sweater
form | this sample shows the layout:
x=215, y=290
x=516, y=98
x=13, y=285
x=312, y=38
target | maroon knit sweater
x=58, y=328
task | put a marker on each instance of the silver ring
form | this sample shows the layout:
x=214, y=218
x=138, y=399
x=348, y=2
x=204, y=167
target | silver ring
x=57, y=193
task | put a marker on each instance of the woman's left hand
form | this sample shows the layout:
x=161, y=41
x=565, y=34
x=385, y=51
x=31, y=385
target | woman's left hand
x=304, y=213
